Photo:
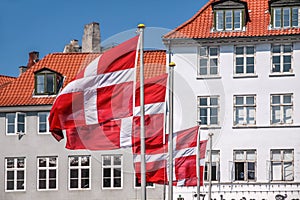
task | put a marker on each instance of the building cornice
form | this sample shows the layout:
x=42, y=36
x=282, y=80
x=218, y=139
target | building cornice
x=28, y=108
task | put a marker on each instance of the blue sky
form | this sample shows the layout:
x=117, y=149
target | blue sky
x=47, y=26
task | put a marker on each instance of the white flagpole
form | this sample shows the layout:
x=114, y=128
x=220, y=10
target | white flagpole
x=198, y=164
x=171, y=97
x=210, y=164
x=141, y=28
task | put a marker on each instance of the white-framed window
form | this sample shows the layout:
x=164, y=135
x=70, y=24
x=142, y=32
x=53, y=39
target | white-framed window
x=15, y=123
x=215, y=168
x=282, y=165
x=43, y=124
x=112, y=171
x=79, y=172
x=282, y=58
x=244, y=60
x=209, y=61
x=244, y=165
x=137, y=184
x=281, y=108
x=229, y=19
x=208, y=110
x=47, y=173
x=15, y=174
x=244, y=110
x=285, y=17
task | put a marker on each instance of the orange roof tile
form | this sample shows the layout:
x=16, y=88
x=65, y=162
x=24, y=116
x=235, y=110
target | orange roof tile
x=201, y=24
x=5, y=80
x=20, y=91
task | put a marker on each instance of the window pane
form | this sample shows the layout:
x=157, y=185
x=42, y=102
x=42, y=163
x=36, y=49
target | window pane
x=288, y=155
x=213, y=51
x=239, y=100
x=10, y=175
x=42, y=162
x=239, y=116
x=276, y=64
x=106, y=172
x=106, y=182
x=250, y=115
x=74, y=183
x=203, y=115
x=203, y=101
x=220, y=20
x=20, y=185
x=10, y=185
x=50, y=83
x=239, y=155
x=250, y=50
x=228, y=20
x=85, y=161
x=213, y=116
x=52, y=173
x=10, y=163
x=85, y=183
x=52, y=184
x=74, y=173
x=287, y=48
x=287, y=114
x=117, y=160
x=288, y=171
x=250, y=100
x=52, y=162
x=203, y=51
x=117, y=172
x=85, y=173
x=287, y=99
x=213, y=101
x=275, y=99
x=20, y=163
x=251, y=155
x=275, y=114
x=74, y=161
x=239, y=50
x=40, y=83
x=286, y=17
x=117, y=182
x=237, y=19
x=239, y=171
x=286, y=63
x=276, y=49
x=295, y=17
x=277, y=18
x=42, y=174
x=42, y=184
x=106, y=160
x=276, y=155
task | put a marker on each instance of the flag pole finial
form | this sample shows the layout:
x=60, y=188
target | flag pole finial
x=172, y=64
x=141, y=26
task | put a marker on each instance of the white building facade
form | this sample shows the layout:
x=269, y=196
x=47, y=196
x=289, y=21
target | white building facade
x=238, y=74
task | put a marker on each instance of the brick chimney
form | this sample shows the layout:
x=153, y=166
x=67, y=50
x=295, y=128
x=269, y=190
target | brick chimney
x=33, y=58
x=91, y=38
x=73, y=47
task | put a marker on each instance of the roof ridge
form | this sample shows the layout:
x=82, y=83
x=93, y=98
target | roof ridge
x=8, y=76
x=189, y=20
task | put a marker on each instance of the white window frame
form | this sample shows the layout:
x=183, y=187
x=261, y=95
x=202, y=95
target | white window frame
x=47, y=168
x=46, y=123
x=282, y=163
x=282, y=106
x=15, y=169
x=208, y=59
x=16, y=123
x=222, y=20
x=245, y=161
x=244, y=107
x=112, y=166
x=215, y=162
x=281, y=17
x=245, y=56
x=208, y=107
x=79, y=169
x=281, y=55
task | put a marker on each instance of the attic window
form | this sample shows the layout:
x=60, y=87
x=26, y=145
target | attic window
x=229, y=15
x=285, y=14
x=47, y=82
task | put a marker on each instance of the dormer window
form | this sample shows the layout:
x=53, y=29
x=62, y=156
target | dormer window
x=47, y=82
x=284, y=14
x=229, y=15
x=229, y=20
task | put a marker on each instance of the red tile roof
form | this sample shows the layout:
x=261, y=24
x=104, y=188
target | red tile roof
x=5, y=80
x=20, y=91
x=201, y=24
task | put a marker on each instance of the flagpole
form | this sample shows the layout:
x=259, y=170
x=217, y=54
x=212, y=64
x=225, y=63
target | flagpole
x=171, y=98
x=210, y=164
x=198, y=164
x=141, y=28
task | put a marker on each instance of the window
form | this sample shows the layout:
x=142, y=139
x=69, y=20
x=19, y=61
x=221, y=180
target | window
x=47, y=173
x=229, y=19
x=112, y=172
x=43, y=125
x=244, y=60
x=285, y=17
x=138, y=185
x=208, y=110
x=79, y=172
x=244, y=165
x=281, y=109
x=282, y=58
x=15, y=123
x=15, y=169
x=282, y=165
x=47, y=82
x=244, y=110
x=209, y=59
x=215, y=168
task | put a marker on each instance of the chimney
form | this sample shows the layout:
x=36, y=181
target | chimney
x=22, y=69
x=33, y=58
x=91, y=38
x=73, y=47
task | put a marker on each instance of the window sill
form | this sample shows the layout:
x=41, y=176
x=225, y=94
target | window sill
x=208, y=77
x=236, y=76
x=204, y=127
x=270, y=126
x=281, y=74
x=43, y=95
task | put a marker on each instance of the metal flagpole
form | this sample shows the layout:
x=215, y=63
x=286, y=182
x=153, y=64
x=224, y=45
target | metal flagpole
x=171, y=97
x=198, y=165
x=141, y=28
x=210, y=164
